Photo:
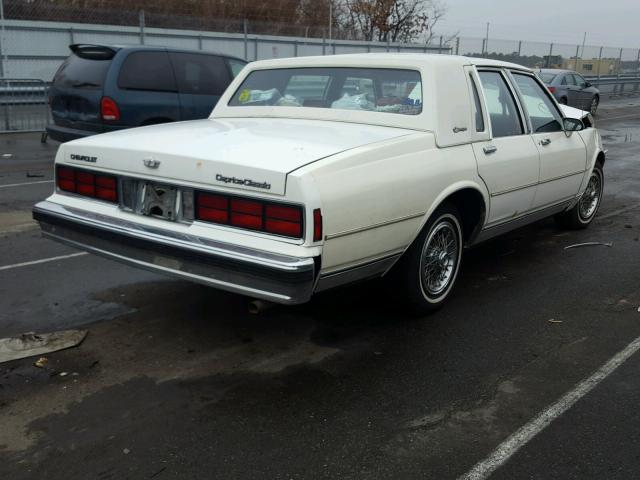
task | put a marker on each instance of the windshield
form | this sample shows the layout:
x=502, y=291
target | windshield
x=370, y=89
x=547, y=77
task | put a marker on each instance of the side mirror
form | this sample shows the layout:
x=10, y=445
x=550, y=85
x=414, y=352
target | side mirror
x=587, y=85
x=572, y=125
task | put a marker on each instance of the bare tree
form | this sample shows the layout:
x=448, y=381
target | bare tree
x=393, y=20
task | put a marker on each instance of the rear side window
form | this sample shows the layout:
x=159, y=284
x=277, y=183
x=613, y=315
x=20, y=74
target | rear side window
x=568, y=80
x=478, y=109
x=77, y=72
x=505, y=118
x=147, y=71
x=200, y=74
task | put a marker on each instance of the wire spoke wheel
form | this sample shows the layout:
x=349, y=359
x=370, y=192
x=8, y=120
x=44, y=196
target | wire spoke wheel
x=440, y=257
x=591, y=197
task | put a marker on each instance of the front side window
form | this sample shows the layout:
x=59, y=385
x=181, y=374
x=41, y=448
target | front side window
x=149, y=71
x=501, y=106
x=580, y=82
x=369, y=89
x=541, y=110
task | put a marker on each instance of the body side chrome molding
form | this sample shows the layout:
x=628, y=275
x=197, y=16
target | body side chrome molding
x=376, y=225
x=498, y=229
x=369, y=269
x=560, y=177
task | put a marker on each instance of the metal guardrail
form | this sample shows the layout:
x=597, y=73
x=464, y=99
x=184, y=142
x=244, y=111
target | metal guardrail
x=617, y=85
x=23, y=105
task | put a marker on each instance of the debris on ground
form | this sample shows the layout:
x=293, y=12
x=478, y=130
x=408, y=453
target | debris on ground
x=126, y=451
x=31, y=344
x=64, y=374
x=41, y=362
x=34, y=175
x=589, y=244
x=553, y=320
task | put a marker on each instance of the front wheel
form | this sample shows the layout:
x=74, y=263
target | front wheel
x=583, y=213
x=430, y=267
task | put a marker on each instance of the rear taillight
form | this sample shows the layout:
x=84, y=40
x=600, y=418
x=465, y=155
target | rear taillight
x=285, y=220
x=109, y=109
x=87, y=184
x=552, y=89
x=317, y=225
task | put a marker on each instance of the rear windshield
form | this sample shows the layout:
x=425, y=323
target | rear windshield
x=548, y=77
x=76, y=72
x=371, y=89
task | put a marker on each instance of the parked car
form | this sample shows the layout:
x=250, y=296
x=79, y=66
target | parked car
x=101, y=88
x=571, y=88
x=316, y=172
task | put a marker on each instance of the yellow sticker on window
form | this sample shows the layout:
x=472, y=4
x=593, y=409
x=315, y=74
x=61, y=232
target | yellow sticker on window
x=244, y=96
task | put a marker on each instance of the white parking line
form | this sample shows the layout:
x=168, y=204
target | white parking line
x=43, y=260
x=525, y=434
x=25, y=183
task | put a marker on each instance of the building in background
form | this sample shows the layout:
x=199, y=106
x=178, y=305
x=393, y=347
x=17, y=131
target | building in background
x=595, y=66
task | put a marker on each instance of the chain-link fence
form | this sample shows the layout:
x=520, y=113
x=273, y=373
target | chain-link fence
x=35, y=35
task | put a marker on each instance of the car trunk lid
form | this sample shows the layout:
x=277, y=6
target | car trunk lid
x=244, y=154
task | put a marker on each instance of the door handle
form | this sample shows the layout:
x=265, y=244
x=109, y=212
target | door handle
x=545, y=141
x=459, y=129
x=489, y=149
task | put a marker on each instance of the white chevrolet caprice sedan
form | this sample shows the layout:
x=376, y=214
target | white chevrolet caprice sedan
x=316, y=172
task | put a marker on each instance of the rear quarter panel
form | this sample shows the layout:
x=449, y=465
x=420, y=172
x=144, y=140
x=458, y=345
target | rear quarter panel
x=375, y=199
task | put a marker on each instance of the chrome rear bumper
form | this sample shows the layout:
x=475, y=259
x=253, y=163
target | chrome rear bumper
x=255, y=273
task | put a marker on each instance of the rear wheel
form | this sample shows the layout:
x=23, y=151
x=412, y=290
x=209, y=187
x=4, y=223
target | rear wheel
x=430, y=267
x=583, y=213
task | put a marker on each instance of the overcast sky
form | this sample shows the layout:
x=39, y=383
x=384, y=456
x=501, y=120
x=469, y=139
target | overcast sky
x=607, y=22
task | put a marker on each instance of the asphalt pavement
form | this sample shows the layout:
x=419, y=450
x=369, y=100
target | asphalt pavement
x=178, y=381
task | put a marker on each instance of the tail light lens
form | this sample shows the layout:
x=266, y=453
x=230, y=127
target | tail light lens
x=87, y=184
x=109, y=109
x=317, y=225
x=285, y=220
x=552, y=89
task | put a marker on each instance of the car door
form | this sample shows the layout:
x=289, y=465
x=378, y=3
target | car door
x=201, y=80
x=573, y=92
x=508, y=163
x=563, y=156
x=583, y=94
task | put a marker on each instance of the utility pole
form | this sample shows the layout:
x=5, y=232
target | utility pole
x=330, y=18
x=3, y=47
x=486, y=40
x=584, y=39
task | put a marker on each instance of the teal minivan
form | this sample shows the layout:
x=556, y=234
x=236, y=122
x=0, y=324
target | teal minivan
x=101, y=88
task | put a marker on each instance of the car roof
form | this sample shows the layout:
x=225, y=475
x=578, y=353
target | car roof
x=555, y=70
x=117, y=47
x=381, y=60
